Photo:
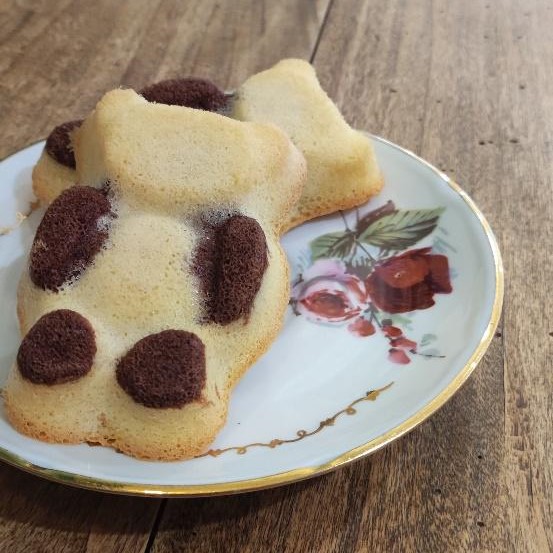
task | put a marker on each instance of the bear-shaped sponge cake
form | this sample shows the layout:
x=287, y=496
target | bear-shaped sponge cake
x=342, y=171
x=156, y=282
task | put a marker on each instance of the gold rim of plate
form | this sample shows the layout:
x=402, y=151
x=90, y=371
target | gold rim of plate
x=295, y=475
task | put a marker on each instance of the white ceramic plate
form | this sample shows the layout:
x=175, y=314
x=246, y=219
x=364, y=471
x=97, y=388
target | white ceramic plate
x=345, y=376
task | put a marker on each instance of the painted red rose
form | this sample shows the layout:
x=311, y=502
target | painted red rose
x=404, y=343
x=392, y=331
x=409, y=281
x=361, y=327
x=328, y=294
x=398, y=356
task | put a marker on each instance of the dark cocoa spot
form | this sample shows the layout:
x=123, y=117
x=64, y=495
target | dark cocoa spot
x=60, y=347
x=164, y=370
x=188, y=92
x=230, y=262
x=69, y=236
x=58, y=144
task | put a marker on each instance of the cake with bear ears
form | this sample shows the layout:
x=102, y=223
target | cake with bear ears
x=154, y=283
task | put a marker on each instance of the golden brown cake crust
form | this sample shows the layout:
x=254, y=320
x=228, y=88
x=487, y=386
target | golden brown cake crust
x=51, y=178
x=342, y=171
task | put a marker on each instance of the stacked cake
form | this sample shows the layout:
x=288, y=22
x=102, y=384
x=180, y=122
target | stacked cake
x=156, y=277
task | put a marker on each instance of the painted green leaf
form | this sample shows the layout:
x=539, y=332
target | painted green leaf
x=396, y=319
x=334, y=244
x=426, y=339
x=372, y=216
x=361, y=267
x=401, y=229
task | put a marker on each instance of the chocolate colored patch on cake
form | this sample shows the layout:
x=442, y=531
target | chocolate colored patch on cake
x=164, y=370
x=230, y=261
x=59, y=348
x=69, y=236
x=188, y=92
x=58, y=143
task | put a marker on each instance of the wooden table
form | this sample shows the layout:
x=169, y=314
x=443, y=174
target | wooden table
x=468, y=85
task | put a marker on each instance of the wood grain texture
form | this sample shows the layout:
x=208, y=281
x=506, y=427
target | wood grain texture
x=39, y=516
x=57, y=57
x=465, y=84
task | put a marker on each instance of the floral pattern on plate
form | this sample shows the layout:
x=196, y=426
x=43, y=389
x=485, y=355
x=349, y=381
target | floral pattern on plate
x=369, y=277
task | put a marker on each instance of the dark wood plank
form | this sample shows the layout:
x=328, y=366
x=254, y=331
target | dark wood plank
x=491, y=112
x=524, y=110
x=56, y=59
x=465, y=84
x=36, y=515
